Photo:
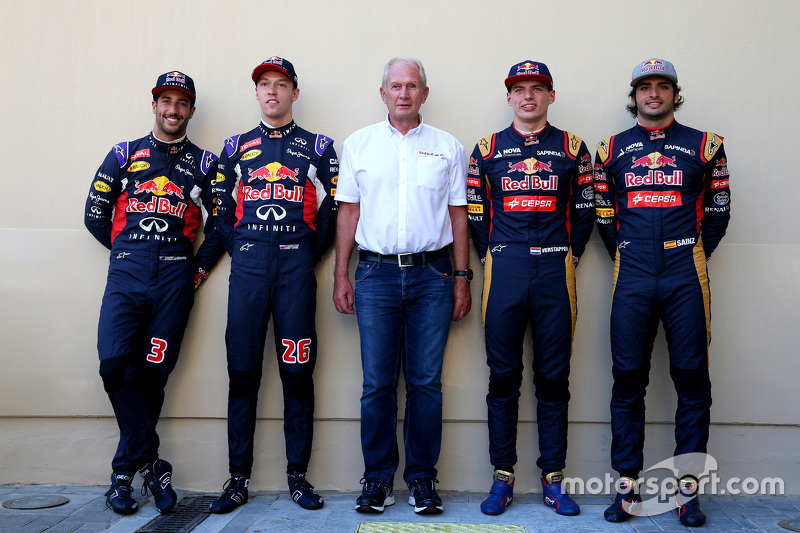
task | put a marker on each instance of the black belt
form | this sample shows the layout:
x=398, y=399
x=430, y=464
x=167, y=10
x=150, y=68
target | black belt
x=404, y=260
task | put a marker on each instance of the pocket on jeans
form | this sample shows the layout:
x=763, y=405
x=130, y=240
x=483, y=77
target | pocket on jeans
x=446, y=271
x=363, y=270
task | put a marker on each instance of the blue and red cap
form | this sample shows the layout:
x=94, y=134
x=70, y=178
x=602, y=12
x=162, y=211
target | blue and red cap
x=529, y=70
x=175, y=80
x=278, y=64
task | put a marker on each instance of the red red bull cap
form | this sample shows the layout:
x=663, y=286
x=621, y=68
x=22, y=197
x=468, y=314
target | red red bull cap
x=529, y=70
x=278, y=64
x=654, y=67
x=175, y=80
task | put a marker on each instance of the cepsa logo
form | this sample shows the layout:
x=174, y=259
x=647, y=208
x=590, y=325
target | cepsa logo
x=529, y=203
x=654, y=199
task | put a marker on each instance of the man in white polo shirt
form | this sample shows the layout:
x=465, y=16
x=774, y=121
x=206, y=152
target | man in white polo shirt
x=402, y=199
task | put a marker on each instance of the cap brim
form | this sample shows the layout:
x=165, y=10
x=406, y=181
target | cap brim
x=163, y=88
x=648, y=75
x=511, y=80
x=261, y=69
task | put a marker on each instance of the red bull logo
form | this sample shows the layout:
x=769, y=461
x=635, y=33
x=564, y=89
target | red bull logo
x=530, y=183
x=527, y=68
x=530, y=166
x=272, y=191
x=156, y=205
x=160, y=186
x=654, y=177
x=273, y=172
x=653, y=66
x=653, y=160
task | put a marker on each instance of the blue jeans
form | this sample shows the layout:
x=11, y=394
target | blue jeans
x=402, y=311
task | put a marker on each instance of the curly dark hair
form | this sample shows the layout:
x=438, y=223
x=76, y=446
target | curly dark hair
x=632, y=106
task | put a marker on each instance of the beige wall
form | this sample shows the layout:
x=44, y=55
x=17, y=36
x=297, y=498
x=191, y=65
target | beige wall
x=77, y=78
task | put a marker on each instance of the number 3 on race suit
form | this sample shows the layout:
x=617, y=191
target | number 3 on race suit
x=296, y=352
x=159, y=346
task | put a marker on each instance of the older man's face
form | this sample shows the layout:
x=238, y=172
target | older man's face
x=403, y=94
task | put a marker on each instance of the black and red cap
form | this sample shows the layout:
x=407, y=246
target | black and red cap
x=284, y=66
x=175, y=80
x=529, y=70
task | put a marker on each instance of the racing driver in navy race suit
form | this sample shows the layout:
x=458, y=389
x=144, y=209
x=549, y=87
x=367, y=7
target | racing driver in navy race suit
x=276, y=216
x=663, y=205
x=145, y=204
x=531, y=212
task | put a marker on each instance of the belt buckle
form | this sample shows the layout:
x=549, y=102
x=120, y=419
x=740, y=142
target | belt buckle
x=400, y=260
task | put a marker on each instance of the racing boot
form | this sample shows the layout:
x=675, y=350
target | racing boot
x=303, y=492
x=234, y=494
x=500, y=495
x=120, y=496
x=688, y=507
x=158, y=479
x=627, y=503
x=555, y=495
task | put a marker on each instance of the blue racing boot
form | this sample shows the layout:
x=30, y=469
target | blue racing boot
x=627, y=503
x=688, y=507
x=158, y=480
x=556, y=496
x=500, y=495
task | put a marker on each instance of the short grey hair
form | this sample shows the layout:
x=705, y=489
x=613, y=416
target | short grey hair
x=405, y=59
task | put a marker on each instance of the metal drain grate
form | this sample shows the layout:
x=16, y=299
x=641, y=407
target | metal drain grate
x=186, y=516
x=406, y=527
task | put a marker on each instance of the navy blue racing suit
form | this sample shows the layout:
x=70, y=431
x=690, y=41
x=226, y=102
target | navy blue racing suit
x=663, y=205
x=276, y=216
x=145, y=204
x=531, y=212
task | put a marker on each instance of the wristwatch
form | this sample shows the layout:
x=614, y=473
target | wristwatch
x=466, y=273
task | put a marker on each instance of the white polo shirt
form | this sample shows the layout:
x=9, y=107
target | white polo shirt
x=404, y=184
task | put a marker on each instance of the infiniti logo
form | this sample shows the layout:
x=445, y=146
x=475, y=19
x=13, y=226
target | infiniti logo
x=150, y=223
x=277, y=212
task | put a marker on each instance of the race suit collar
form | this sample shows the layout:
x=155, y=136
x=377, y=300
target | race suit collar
x=655, y=133
x=172, y=147
x=277, y=133
x=530, y=138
